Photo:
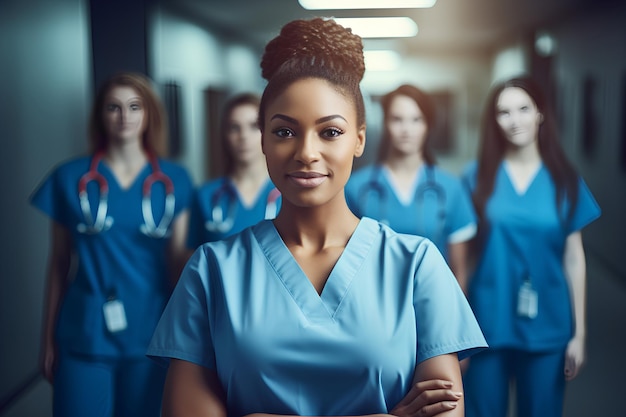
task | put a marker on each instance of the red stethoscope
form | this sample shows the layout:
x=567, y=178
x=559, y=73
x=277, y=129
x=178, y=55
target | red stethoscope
x=103, y=222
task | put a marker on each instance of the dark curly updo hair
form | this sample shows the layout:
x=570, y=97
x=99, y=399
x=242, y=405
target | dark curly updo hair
x=316, y=48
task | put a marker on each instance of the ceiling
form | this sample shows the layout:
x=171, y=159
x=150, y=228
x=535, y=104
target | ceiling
x=450, y=27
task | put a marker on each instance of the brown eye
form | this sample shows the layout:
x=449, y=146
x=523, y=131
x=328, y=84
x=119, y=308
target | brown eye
x=232, y=129
x=284, y=132
x=332, y=133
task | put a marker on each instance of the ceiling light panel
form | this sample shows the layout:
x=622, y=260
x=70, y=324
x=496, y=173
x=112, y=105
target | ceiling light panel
x=365, y=4
x=381, y=60
x=380, y=27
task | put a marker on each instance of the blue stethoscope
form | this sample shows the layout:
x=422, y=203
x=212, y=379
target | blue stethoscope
x=103, y=222
x=374, y=185
x=220, y=224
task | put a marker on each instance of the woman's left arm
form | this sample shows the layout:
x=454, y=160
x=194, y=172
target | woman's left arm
x=575, y=267
x=178, y=254
x=443, y=367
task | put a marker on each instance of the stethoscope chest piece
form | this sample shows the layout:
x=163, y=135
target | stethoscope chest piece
x=271, y=207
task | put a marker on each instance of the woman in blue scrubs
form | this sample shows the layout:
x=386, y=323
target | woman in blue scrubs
x=245, y=195
x=406, y=190
x=118, y=235
x=317, y=312
x=528, y=290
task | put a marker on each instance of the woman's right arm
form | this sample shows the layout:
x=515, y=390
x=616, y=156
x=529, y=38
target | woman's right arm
x=193, y=391
x=59, y=261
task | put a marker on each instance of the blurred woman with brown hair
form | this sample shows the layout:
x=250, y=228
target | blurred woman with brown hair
x=119, y=221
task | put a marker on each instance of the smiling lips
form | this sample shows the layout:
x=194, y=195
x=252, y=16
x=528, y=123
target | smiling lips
x=307, y=179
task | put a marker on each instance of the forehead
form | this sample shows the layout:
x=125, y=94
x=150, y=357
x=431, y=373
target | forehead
x=405, y=104
x=315, y=97
x=243, y=110
x=513, y=96
x=123, y=93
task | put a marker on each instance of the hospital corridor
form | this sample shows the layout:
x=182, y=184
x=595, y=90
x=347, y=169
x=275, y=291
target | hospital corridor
x=195, y=65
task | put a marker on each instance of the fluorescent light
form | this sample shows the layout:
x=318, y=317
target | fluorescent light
x=365, y=4
x=381, y=60
x=380, y=27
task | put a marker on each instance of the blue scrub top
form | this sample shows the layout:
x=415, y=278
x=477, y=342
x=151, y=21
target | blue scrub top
x=121, y=262
x=525, y=239
x=439, y=208
x=202, y=226
x=244, y=308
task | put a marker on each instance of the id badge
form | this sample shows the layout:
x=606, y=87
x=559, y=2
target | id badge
x=114, y=315
x=527, y=301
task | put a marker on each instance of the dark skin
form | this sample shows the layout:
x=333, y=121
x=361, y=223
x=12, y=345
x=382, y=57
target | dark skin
x=310, y=141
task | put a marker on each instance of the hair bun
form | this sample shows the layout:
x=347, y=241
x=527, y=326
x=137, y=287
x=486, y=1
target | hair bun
x=319, y=42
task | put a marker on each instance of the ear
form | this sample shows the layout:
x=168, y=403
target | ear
x=360, y=145
x=540, y=117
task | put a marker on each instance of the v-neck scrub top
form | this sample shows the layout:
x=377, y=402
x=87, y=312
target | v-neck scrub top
x=442, y=211
x=120, y=263
x=525, y=240
x=224, y=193
x=244, y=308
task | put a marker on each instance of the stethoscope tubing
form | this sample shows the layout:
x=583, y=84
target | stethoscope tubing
x=373, y=184
x=103, y=222
x=220, y=224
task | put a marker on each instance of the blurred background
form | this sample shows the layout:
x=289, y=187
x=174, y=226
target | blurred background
x=54, y=54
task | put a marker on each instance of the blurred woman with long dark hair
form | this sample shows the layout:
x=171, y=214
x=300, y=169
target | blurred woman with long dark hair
x=528, y=289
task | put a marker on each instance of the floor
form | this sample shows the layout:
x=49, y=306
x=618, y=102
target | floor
x=597, y=391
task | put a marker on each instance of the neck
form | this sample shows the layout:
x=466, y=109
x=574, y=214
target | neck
x=252, y=173
x=317, y=227
x=403, y=163
x=127, y=154
x=523, y=155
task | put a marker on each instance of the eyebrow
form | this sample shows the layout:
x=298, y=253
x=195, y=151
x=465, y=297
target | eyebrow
x=134, y=98
x=318, y=121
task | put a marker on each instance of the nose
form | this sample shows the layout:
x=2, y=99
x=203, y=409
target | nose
x=123, y=115
x=249, y=135
x=514, y=119
x=307, y=150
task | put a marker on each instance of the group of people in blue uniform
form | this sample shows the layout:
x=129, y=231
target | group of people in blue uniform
x=293, y=286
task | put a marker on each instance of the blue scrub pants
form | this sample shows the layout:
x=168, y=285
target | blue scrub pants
x=85, y=386
x=537, y=376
